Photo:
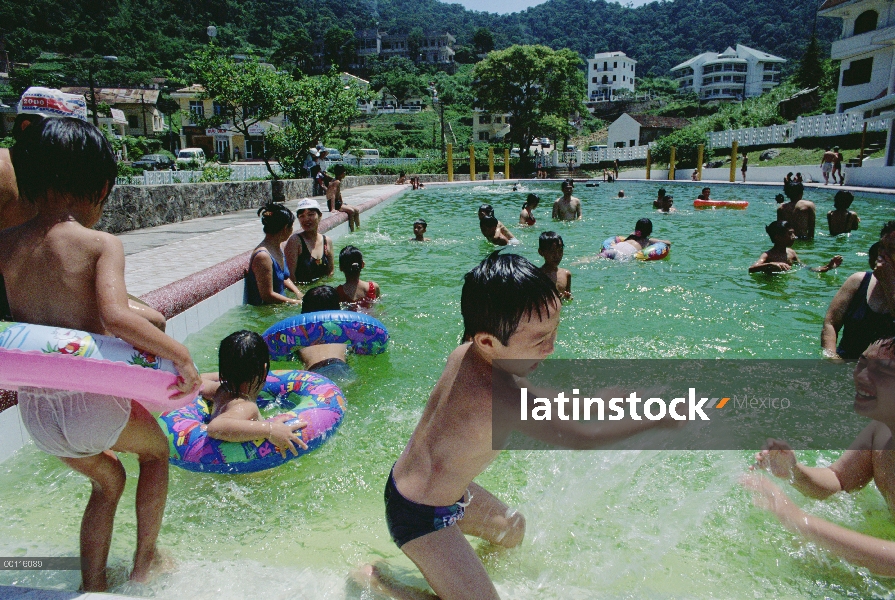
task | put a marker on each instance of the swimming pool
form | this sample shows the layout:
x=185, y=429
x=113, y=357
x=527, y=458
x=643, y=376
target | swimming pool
x=631, y=523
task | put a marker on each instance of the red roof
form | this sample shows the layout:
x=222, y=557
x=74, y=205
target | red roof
x=653, y=122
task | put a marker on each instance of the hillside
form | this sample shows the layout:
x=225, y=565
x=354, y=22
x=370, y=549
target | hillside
x=157, y=35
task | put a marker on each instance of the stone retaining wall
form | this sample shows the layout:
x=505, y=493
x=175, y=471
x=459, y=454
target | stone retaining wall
x=138, y=206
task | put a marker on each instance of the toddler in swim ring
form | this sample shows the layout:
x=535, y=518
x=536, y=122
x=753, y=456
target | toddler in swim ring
x=243, y=363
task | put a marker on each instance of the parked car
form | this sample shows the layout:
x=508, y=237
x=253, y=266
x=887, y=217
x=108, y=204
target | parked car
x=545, y=142
x=596, y=147
x=186, y=156
x=364, y=156
x=153, y=162
x=571, y=148
x=333, y=155
x=514, y=153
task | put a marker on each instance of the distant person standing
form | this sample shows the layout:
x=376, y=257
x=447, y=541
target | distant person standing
x=837, y=166
x=745, y=166
x=842, y=220
x=826, y=165
x=615, y=168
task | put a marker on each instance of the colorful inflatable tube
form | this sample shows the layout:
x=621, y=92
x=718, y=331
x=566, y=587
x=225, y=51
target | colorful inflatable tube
x=313, y=399
x=68, y=359
x=656, y=251
x=737, y=204
x=362, y=333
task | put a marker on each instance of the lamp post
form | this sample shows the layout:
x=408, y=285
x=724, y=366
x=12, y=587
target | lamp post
x=437, y=101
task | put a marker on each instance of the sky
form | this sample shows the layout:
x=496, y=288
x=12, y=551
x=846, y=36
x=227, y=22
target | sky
x=510, y=6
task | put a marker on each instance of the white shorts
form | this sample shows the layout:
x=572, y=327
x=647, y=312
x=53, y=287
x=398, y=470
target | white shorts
x=72, y=424
x=826, y=167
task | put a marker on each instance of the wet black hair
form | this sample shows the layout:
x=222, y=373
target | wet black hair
x=322, y=297
x=843, y=199
x=780, y=198
x=421, y=222
x=661, y=192
x=489, y=221
x=794, y=191
x=243, y=357
x=351, y=261
x=549, y=239
x=500, y=291
x=776, y=228
x=64, y=155
x=873, y=254
x=487, y=209
x=887, y=229
x=644, y=226
x=24, y=121
x=339, y=169
x=275, y=217
x=531, y=198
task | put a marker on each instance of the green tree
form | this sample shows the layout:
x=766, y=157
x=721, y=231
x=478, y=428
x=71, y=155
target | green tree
x=415, y=40
x=531, y=84
x=318, y=107
x=247, y=92
x=483, y=40
x=339, y=46
x=295, y=50
x=685, y=142
x=399, y=76
x=811, y=70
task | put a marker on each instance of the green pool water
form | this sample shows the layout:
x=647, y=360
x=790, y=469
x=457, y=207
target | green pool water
x=600, y=523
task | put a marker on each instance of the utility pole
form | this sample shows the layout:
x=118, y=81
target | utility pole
x=143, y=110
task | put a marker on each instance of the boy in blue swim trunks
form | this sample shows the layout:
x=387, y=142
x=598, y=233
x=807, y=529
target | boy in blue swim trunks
x=325, y=359
x=510, y=311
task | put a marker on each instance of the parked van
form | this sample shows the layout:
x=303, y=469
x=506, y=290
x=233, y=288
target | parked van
x=190, y=155
x=597, y=147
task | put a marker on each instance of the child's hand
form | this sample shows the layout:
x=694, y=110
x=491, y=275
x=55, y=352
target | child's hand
x=777, y=457
x=189, y=382
x=769, y=497
x=781, y=266
x=284, y=438
x=835, y=262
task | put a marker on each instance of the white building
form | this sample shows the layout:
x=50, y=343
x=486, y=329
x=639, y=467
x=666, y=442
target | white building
x=488, y=127
x=628, y=131
x=609, y=73
x=730, y=75
x=866, y=50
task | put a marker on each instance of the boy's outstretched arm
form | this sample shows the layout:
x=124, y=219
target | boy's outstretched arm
x=834, y=263
x=122, y=322
x=763, y=266
x=875, y=554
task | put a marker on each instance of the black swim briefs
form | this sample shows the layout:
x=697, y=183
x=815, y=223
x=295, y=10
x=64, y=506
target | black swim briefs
x=408, y=520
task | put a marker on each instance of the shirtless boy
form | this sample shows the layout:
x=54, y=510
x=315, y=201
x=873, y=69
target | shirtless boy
x=842, y=220
x=551, y=247
x=871, y=457
x=567, y=207
x=493, y=230
x=419, y=231
x=826, y=165
x=781, y=257
x=66, y=168
x=800, y=213
x=510, y=311
x=705, y=194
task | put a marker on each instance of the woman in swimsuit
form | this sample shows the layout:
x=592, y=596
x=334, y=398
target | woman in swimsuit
x=268, y=274
x=309, y=254
x=860, y=310
x=526, y=216
x=354, y=292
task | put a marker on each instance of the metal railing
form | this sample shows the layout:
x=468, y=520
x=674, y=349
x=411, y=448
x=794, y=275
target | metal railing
x=816, y=126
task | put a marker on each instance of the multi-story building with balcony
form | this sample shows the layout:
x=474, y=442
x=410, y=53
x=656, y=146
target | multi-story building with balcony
x=866, y=50
x=609, y=74
x=435, y=48
x=137, y=107
x=731, y=75
x=488, y=127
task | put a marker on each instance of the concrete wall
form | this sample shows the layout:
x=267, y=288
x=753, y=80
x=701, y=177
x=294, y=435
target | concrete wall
x=867, y=176
x=138, y=206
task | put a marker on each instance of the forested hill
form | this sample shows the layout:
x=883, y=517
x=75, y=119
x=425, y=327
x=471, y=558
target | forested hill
x=159, y=34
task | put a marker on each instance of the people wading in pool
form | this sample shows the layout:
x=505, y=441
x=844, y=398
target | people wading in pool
x=309, y=254
x=268, y=274
x=355, y=292
x=635, y=242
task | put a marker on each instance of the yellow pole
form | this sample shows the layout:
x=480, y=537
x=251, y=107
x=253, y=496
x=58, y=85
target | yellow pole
x=491, y=163
x=671, y=164
x=471, y=162
x=733, y=161
x=506, y=163
x=649, y=162
x=700, y=149
x=450, y=162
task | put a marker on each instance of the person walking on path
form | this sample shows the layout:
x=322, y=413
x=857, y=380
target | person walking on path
x=745, y=166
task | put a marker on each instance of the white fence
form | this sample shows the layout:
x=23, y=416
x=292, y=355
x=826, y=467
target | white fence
x=238, y=172
x=817, y=126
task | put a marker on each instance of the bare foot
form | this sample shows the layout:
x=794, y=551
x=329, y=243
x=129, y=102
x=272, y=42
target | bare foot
x=162, y=562
x=372, y=577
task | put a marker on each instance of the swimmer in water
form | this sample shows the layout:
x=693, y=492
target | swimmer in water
x=526, y=215
x=781, y=256
x=493, y=230
x=635, y=242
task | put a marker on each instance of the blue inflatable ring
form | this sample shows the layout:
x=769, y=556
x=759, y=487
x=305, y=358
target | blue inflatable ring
x=314, y=399
x=362, y=333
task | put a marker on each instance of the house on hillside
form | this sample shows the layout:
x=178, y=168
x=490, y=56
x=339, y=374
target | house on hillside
x=436, y=48
x=639, y=130
x=224, y=141
x=137, y=107
x=608, y=74
x=488, y=127
x=866, y=50
x=730, y=75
